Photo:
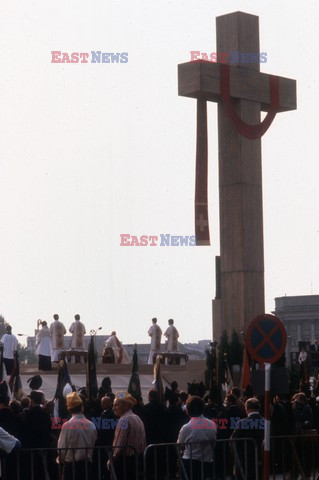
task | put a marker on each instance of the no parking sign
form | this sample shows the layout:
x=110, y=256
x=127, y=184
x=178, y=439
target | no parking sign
x=266, y=338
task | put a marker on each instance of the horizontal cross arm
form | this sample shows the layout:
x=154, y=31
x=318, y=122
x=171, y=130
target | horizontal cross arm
x=202, y=80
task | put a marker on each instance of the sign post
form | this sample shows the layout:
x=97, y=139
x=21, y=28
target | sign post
x=266, y=341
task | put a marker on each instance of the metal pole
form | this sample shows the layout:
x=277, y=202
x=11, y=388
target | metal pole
x=267, y=422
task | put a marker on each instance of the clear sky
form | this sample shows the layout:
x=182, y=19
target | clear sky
x=90, y=151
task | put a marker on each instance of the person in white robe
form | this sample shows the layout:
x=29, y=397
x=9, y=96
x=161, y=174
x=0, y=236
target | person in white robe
x=155, y=333
x=172, y=335
x=43, y=346
x=120, y=354
x=9, y=343
x=78, y=331
x=57, y=330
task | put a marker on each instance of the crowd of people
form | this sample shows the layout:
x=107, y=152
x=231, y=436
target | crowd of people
x=129, y=425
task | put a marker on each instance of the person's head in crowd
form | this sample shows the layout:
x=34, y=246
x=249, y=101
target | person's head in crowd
x=25, y=403
x=174, y=386
x=252, y=405
x=123, y=402
x=171, y=321
x=74, y=403
x=36, y=398
x=235, y=391
x=8, y=329
x=299, y=398
x=56, y=316
x=44, y=324
x=106, y=403
x=183, y=396
x=154, y=320
x=113, y=334
x=77, y=317
x=230, y=400
x=153, y=396
x=195, y=406
x=15, y=407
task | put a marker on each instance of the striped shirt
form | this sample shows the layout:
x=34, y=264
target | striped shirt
x=129, y=432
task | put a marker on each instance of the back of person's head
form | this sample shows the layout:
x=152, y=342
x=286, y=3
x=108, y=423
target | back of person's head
x=77, y=317
x=171, y=321
x=231, y=400
x=36, y=397
x=235, y=391
x=25, y=402
x=183, y=396
x=252, y=405
x=154, y=320
x=56, y=316
x=74, y=403
x=106, y=403
x=8, y=329
x=195, y=406
x=174, y=385
x=15, y=407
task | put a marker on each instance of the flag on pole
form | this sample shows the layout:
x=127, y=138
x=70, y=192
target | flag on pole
x=245, y=380
x=15, y=383
x=134, y=387
x=158, y=378
x=91, y=379
x=63, y=380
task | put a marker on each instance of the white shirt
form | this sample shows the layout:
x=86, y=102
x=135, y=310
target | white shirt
x=199, y=429
x=302, y=357
x=10, y=345
x=78, y=433
x=7, y=441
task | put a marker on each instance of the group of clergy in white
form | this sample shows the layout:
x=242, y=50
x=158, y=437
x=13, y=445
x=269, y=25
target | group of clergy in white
x=49, y=342
x=155, y=332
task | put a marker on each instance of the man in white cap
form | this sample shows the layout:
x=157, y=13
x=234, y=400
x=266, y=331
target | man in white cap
x=80, y=435
x=57, y=330
x=155, y=333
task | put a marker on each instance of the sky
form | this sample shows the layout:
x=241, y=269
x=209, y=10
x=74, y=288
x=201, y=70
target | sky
x=92, y=151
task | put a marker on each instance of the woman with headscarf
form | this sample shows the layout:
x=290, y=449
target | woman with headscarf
x=43, y=347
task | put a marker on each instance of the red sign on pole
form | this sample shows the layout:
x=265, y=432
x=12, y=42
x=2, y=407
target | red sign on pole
x=266, y=338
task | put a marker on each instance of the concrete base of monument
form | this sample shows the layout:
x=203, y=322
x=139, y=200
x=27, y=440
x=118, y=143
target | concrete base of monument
x=119, y=374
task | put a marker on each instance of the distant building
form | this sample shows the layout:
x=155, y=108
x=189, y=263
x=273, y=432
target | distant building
x=300, y=316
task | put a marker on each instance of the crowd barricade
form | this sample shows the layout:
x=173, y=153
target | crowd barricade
x=46, y=464
x=236, y=459
x=295, y=457
x=291, y=458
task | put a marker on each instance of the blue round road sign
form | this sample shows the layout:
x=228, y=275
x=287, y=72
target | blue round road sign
x=266, y=338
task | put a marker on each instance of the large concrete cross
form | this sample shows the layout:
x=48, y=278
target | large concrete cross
x=240, y=290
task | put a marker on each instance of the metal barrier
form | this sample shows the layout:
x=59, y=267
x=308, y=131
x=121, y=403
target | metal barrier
x=295, y=457
x=231, y=458
x=292, y=458
x=46, y=464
